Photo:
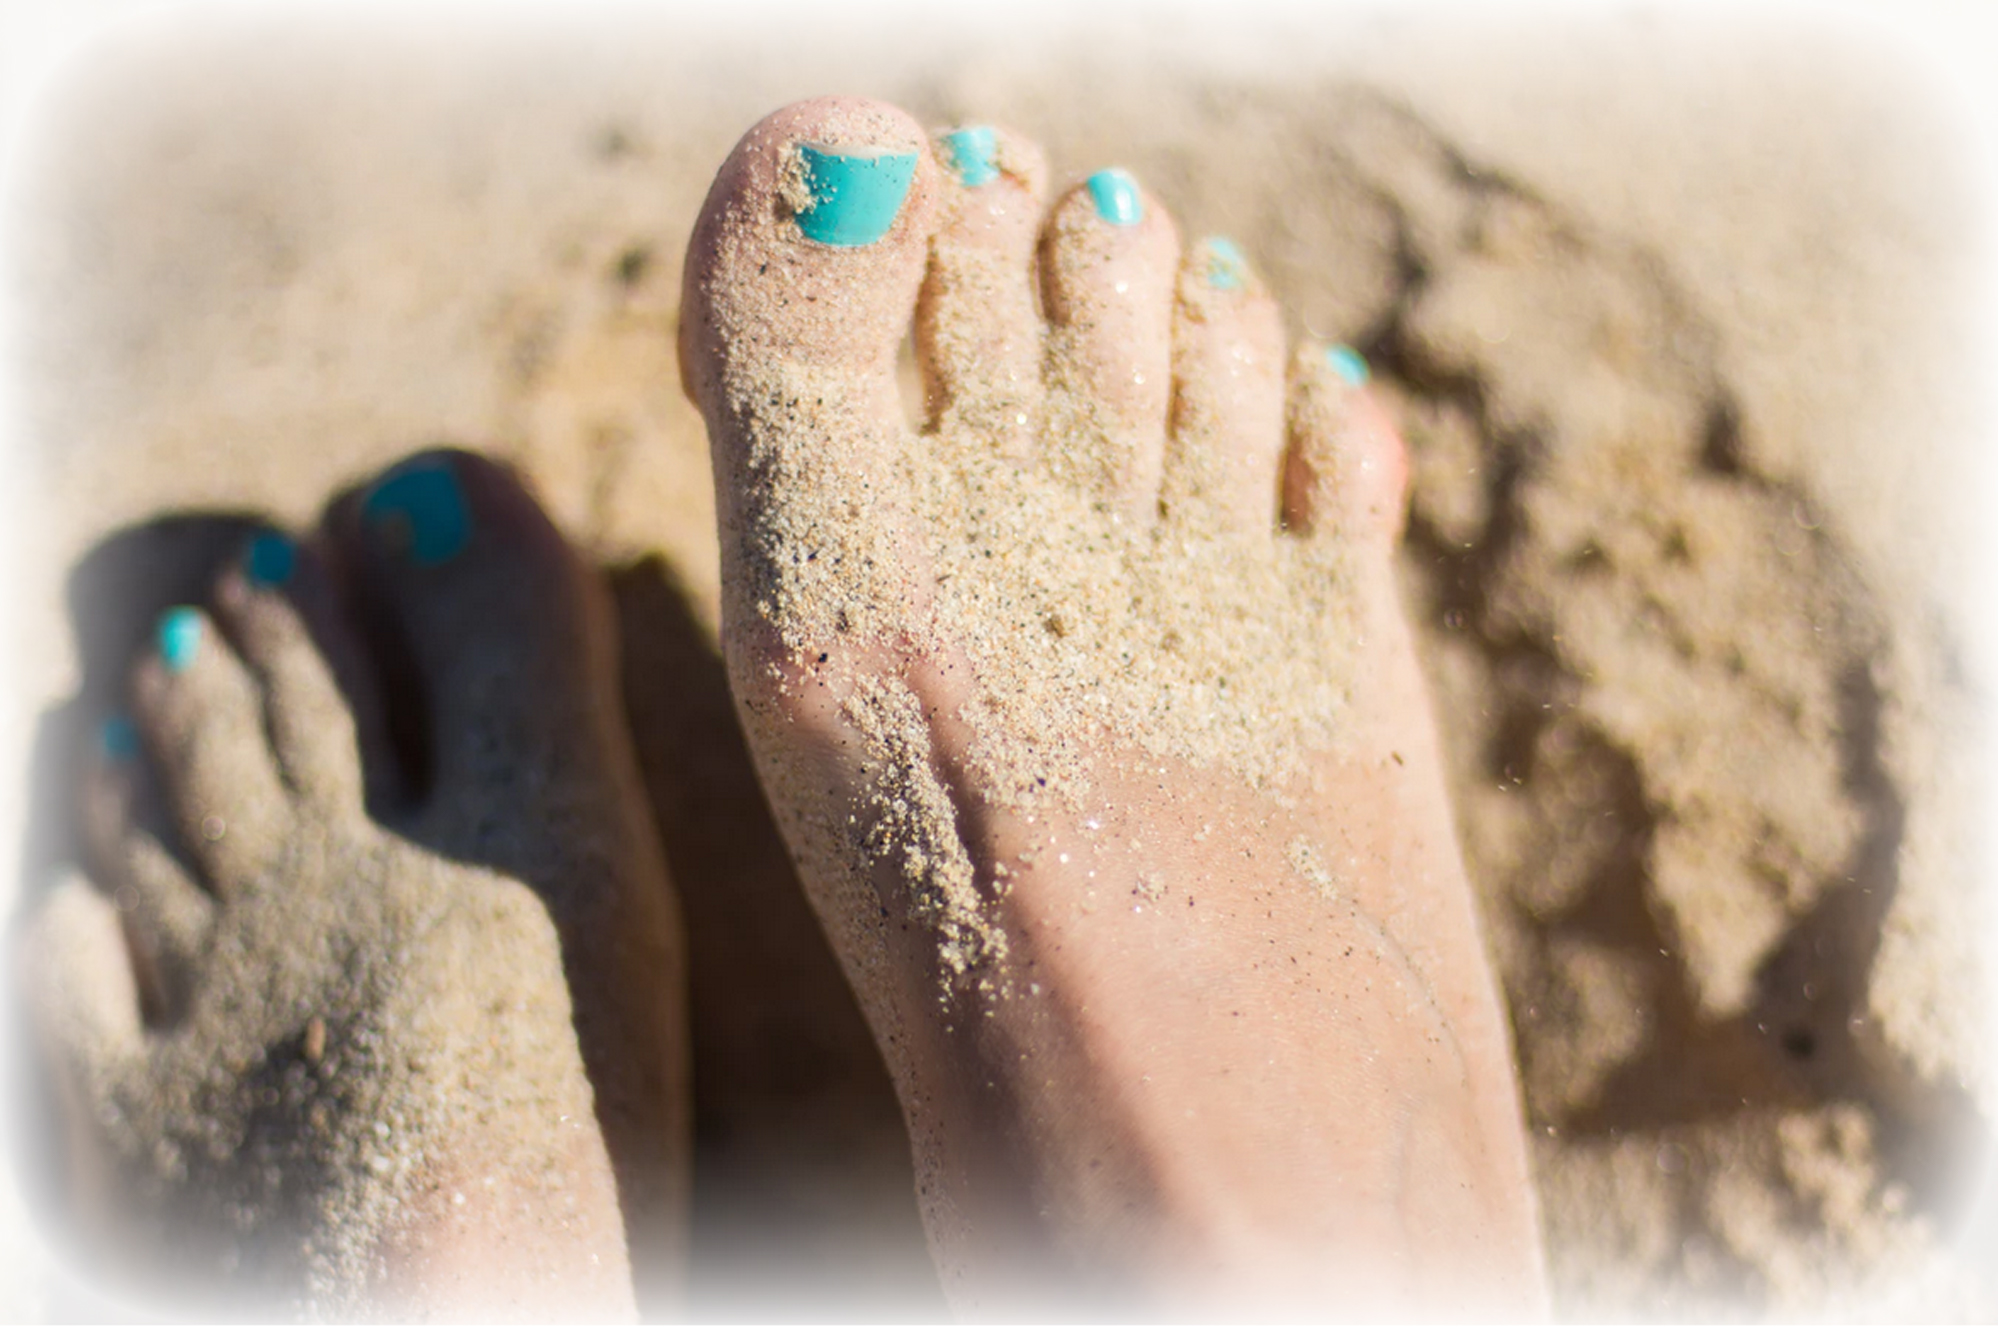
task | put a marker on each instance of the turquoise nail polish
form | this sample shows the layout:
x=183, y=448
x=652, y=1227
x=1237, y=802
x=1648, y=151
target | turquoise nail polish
x=270, y=560
x=118, y=738
x=420, y=513
x=179, y=638
x=972, y=155
x=854, y=197
x=1346, y=362
x=1116, y=195
x=1227, y=269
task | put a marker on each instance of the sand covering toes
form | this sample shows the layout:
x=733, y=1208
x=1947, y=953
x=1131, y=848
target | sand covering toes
x=357, y=1089
x=317, y=1124
x=840, y=522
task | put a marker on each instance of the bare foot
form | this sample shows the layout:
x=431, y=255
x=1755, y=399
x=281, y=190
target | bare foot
x=322, y=1067
x=1091, y=717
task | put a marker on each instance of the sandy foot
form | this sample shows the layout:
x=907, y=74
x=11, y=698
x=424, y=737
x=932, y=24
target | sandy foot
x=372, y=907
x=1091, y=717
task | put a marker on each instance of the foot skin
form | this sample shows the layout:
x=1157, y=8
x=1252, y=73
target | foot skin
x=321, y=1067
x=1090, y=715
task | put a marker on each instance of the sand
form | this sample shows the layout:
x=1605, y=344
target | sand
x=1687, y=552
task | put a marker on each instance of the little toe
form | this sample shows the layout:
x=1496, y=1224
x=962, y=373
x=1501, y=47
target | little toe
x=202, y=716
x=978, y=332
x=80, y=987
x=484, y=612
x=1345, y=468
x=801, y=284
x=1224, y=450
x=1108, y=259
x=277, y=605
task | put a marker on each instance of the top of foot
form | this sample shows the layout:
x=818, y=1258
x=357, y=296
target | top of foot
x=320, y=1066
x=1087, y=707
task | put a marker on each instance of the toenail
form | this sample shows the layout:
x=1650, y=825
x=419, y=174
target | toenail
x=179, y=638
x=973, y=153
x=419, y=513
x=118, y=738
x=269, y=560
x=853, y=198
x=1227, y=269
x=1347, y=363
x=1116, y=195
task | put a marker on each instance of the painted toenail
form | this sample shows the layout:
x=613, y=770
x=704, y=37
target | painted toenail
x=853, y=197
x=1227, y=268
x=1116, y=195
x=419, y=513
x=1347, y=363
x=270, y=560
x=118, y=738
x=179, y=638
x=973, y=155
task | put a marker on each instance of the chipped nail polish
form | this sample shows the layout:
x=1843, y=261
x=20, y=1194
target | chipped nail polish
x=854, y=196
x=118, y=738
x=1227, y=268
x=179, y=638
x=1348, y=364
x=1116, y=197
x=419, y=513
x=269, y=560
x=973, y=155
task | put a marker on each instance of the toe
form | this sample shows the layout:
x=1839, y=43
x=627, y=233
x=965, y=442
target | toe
x=487, y=622
x=277, y=606
x=1108, y=259
x=978, y=333
x=79, y=983
x=827, y=204
x=802, y=279
x=167, y=916
x=1223, y=454
x=202, y=716
x=506, y=649
x=1345, y=469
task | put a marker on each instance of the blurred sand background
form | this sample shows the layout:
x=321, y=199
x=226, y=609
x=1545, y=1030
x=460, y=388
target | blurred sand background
x=1687, y=318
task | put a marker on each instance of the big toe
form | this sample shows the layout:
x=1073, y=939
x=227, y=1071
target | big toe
x=811, y=245
x=492, y=639
x=499, y=650
x=802, y=279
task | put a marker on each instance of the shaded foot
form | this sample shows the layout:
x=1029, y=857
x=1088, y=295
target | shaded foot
x=1090, y=715
x=365, y=909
